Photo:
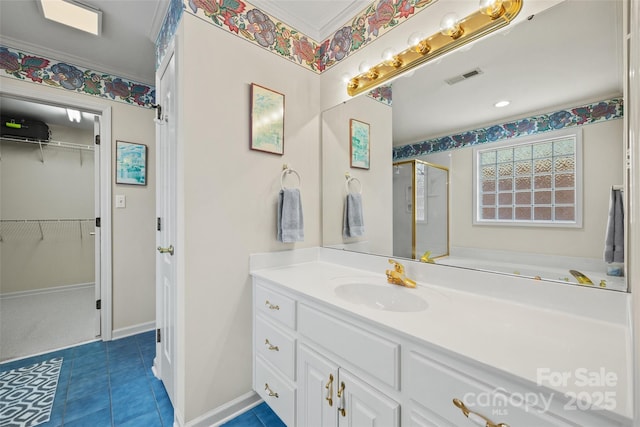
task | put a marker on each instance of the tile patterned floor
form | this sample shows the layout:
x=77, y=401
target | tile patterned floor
x=110, y=384
x=107, y=384
x=260, y=416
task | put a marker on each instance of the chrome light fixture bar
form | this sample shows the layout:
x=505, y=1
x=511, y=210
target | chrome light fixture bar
x=492, y=15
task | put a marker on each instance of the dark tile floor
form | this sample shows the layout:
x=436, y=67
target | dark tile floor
x=260, y=416
x=111, y=384
x=107, y=384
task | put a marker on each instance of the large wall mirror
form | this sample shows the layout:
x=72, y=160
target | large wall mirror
x=565, y=58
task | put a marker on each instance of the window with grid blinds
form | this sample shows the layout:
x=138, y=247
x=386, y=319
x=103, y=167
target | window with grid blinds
x=529, y=183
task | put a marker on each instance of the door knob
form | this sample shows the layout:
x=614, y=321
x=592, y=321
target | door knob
x=168, y=250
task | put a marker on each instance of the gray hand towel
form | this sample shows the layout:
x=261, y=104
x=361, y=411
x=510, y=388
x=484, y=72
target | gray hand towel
x=290, y=221
x=353, y=221
x=614, y=242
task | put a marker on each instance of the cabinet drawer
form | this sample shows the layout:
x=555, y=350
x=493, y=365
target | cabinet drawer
x=275, y=346
x=433, y=386
x=364, y=350
x=276, y=391
x=275, y=306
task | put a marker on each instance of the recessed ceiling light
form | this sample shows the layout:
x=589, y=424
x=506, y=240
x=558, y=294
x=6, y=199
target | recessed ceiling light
x=501, y=104
x=72, y=14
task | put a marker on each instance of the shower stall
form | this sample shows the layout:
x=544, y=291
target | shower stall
x=420, y=210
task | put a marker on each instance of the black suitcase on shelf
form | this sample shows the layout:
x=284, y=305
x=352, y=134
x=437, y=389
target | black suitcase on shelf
x=25, y=129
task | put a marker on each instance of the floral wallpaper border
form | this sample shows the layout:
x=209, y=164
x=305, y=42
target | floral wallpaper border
x=168, y=29
x=382, y=94
x=583, y=115
x=254, y=25
x=38, y=69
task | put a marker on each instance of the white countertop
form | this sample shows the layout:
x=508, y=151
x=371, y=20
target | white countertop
x=514, y=337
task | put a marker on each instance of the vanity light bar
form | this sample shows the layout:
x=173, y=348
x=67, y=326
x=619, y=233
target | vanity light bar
x=472, y=27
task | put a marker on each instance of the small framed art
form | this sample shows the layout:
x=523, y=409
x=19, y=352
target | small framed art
x=267, y=120
x=360, y=144
x=131, y=163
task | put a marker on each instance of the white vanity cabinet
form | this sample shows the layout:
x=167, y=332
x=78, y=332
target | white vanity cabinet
x=432, y=380
x=274, y=351
x=331, y=396
x=300, y=370
x=319, y=365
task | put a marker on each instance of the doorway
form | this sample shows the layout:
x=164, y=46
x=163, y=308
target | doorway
x=54, y=262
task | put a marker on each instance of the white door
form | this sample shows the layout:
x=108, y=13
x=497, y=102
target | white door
x=97, y=233
x=166, y=235
x=365, y=406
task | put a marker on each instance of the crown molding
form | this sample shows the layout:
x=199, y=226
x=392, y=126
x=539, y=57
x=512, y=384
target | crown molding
x=162, y=7
x=353, y=10
x=279, y=11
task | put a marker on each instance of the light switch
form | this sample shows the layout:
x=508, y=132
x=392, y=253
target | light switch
x=121, y=201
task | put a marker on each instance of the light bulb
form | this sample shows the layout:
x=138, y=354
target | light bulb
x=414, y=39
x=345, y=78
x=492, y=8
x=449, y=25
x=387, y=54
x=364, y=67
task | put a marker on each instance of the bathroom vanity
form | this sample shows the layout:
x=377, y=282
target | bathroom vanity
x=336, y=345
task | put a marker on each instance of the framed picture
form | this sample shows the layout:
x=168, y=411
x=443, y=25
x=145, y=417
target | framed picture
x=131, y=163
x=360, y=150
x=267, y=120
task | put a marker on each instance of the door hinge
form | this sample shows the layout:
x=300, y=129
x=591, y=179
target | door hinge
x=98, y=304
x=159, y=224
x=158, y=335
x=97, y=139
x=97, y=222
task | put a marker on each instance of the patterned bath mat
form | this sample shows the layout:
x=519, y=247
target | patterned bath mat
x=26, y=394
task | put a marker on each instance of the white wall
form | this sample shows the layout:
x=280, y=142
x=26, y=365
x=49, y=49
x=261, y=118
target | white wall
x=375, y=181
x=61, y=187
x=134, y=227
x=227, y=197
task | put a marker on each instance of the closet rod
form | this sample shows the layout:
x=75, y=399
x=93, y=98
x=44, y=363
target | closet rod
x=47, y=220
x=60, y=144
x=41, y=222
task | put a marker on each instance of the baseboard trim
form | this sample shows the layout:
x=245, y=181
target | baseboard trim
x=226, y=412
x=133, y=330
x=30, y=292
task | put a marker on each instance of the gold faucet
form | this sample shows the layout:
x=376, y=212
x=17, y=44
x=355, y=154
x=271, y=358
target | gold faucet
x=397, y=276
x=426, y=257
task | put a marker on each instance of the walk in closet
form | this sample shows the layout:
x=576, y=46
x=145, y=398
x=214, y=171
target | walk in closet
x=47, y=233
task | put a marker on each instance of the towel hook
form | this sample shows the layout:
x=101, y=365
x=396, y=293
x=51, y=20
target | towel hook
x=287, y=170
x=349, y=180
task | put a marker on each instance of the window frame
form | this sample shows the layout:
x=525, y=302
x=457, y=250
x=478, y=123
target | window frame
x=530, y=140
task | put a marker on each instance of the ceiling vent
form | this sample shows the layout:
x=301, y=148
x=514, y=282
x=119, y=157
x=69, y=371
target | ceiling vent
x=464, y=76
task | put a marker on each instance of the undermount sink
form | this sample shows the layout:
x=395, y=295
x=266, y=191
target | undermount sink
x=386, y=297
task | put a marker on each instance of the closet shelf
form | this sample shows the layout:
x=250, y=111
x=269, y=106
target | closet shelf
x=68, y=228
x=51, y=143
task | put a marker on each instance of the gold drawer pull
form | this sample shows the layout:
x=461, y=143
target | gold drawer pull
x=329, y=388
x=271, y=392
x=271, y=346
x=271, y=306
x=341, y=408
x=481, y=420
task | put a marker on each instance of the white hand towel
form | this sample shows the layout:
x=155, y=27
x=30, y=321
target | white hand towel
x=290, y=220
x=353, y=220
